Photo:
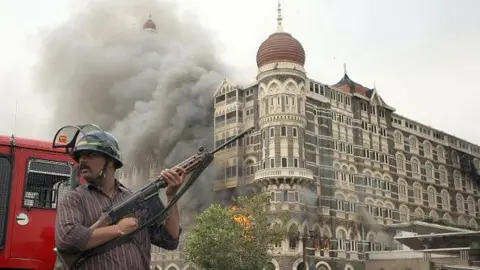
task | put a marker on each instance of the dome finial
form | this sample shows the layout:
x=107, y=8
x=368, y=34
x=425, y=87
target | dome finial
x=279, y=17
x=344, y=69
x=149, y=24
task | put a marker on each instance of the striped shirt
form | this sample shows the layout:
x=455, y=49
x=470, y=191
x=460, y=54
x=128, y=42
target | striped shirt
x=81, y=208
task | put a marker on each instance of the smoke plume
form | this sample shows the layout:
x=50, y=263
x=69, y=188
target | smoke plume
x=371, y=224
x=152, y=90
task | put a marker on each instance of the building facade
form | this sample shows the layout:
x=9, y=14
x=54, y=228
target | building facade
x=339, y=160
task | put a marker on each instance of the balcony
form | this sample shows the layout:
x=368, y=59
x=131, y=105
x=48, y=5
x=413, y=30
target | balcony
x=297, y=175
x=225, y=184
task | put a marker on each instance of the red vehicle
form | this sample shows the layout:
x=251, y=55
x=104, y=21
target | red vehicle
x=33, y=176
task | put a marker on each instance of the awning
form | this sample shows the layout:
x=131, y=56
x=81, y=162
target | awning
x=441, y=240
x=422, y=227
x=459, y=267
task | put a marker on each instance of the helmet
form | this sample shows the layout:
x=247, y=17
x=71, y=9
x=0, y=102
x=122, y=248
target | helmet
x=101, y=142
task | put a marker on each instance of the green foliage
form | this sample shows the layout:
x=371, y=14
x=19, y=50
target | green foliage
x=219, y=242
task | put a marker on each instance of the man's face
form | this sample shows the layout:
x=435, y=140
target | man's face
x=90, y=165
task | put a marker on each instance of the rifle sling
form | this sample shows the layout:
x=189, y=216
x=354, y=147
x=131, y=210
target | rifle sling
x=159, y=218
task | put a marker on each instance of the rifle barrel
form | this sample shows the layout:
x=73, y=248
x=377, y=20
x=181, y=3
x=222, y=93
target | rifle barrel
x=163, y=184
x=232, y=140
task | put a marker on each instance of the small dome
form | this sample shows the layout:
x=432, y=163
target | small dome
x=278, y=47
x=149, y=24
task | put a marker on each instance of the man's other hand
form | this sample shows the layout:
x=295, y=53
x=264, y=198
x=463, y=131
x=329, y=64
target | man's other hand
x=174, y=178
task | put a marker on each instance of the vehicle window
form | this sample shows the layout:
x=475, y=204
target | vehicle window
x=5, y=183
x=46, y=182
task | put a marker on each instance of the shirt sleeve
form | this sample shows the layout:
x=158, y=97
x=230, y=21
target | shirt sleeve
x=70, y=233
x=160, y=237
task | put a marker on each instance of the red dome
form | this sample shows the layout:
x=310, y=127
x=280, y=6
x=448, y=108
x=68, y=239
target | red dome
x=279, y=47
x=149, y=24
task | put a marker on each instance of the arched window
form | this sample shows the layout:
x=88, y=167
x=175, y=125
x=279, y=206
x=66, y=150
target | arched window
x=415, y=166
x=443, y=175
x=293, y=236
x=432, y=196
x=457, y=179
x=427, y=148
x=400, y=162
x=417, y=192
x=460, y=203
x=398, y=138
x=445, y=199
x=429, y=170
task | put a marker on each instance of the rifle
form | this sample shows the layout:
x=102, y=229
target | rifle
x=145, y=201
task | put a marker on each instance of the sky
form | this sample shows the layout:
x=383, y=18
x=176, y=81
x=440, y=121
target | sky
x=423, y=56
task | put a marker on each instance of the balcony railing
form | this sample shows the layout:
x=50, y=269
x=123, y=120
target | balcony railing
x=273, y=173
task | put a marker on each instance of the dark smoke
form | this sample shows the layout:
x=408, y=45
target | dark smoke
x=153, y=91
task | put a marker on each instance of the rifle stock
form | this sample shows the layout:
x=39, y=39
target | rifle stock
x=146, y=200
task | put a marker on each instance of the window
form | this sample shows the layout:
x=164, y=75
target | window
x=432, y=197
x=429, y=170
x=295, y=162
x=443, y=175
x=468, y=183
x=283, y=131
x=398, y=138
x=381, y=113
x=272, y=132
x=364, y=107
x=455, y=158
x=341, y=240
x=284, y=162
x=293, y=237
x=415, y=166
x=272, y=163
x=402, y=188
x=249, y=167
x=276, y=196
x=440, y=152
x=5, y=182
x=445, y=200
x=294, y=132
x=427, y=149
x=471, y=206
x=460, y=203
x=457, y=180
x=46, y=183
x=400, y=162
x=292, y=196
x=417, y=191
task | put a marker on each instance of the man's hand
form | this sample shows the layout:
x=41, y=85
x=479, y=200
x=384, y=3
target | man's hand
x=126, y=225
x=174, y=178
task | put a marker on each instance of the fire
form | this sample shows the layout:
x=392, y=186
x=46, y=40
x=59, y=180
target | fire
x=243, y=220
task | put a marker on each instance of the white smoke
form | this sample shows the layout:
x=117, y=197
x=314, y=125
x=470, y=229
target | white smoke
x=153, y=91
x=370, y=223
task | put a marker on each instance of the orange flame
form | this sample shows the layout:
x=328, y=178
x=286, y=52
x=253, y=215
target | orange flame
x=243, y=220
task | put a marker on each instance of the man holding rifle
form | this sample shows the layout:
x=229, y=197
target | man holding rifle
x=98, y=156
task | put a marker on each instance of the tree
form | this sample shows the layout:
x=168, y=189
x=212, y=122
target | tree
x=237, y=237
